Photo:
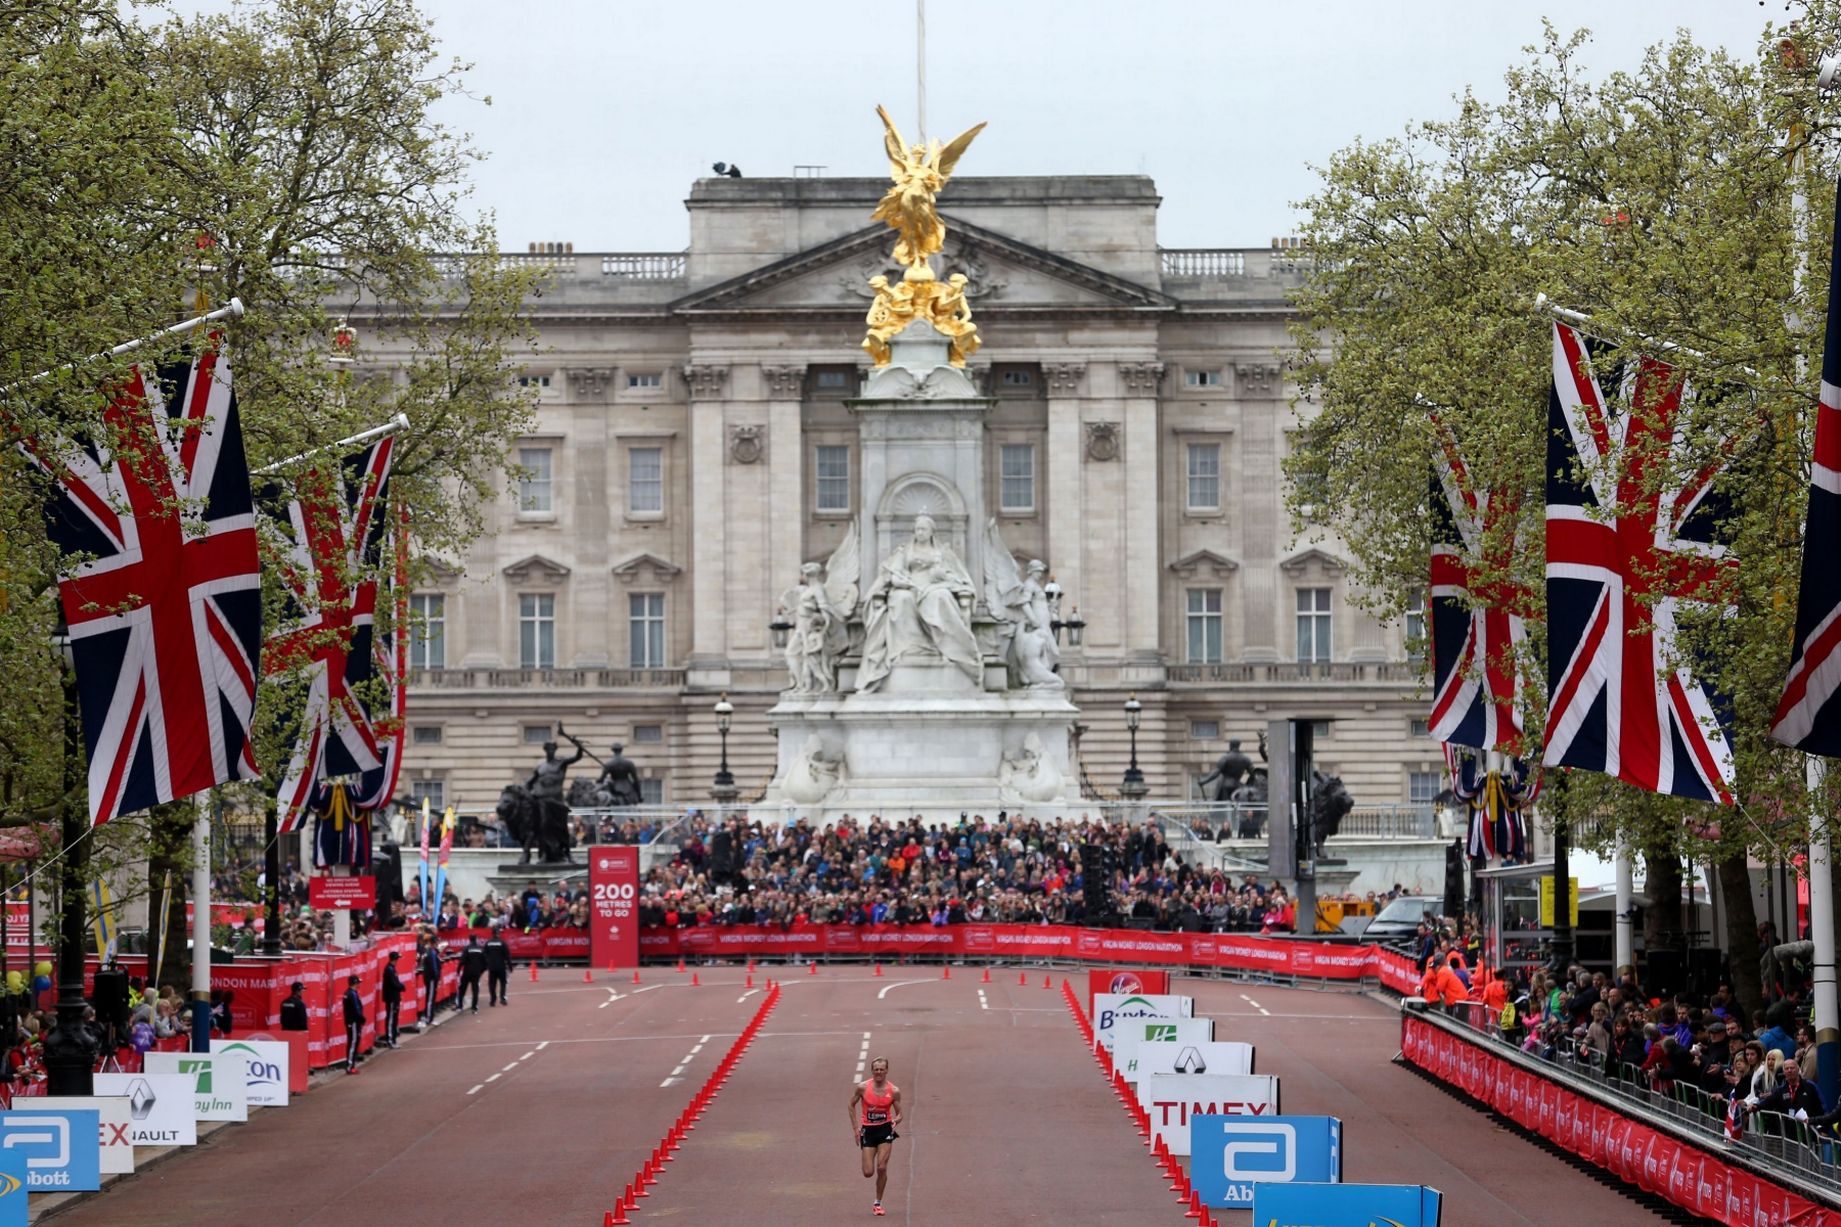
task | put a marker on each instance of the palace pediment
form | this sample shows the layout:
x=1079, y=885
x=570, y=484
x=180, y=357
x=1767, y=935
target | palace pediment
x=1003, y=275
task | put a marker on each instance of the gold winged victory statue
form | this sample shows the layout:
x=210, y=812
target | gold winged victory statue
x=919, y=172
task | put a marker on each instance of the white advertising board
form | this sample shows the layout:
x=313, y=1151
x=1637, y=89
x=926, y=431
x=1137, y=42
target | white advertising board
x=160, y=1107
x=265, y=1082
x=217, y=1082
x=1111, y=1009
x=1171, y=1099
x=112, y=1117
x=1187, y=1057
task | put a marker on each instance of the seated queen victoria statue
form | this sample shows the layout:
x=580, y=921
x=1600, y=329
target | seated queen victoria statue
x=919, y=609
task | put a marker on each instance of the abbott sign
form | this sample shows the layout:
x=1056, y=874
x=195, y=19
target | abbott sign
x=1172, y=1100
x=60, y=1146
x=1231, y=1154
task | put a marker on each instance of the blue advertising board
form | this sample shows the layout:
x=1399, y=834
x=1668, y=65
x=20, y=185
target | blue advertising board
x=1228, y=1155
x=61, y=1147
x=1346, y=1205
x=12, y=1189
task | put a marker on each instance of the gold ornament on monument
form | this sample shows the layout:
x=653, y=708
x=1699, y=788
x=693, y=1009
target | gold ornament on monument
x=919, y=172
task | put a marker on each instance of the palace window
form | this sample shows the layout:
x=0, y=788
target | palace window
x=536, y=734
x=1422, y=787
x=1416, y=643
x=1017, y=485
x=537, y=630
x=428, y=630
x=1204, y=476
x=645, y=478
x=1204, y=618
x=648, y=734
x=1201, y=379
x=534, y=484
x=831, y=466
x=1313, y=625
x=1204, y=730
x=432, y=791
x=650, y=381
x=645, y=615
x=427, y=734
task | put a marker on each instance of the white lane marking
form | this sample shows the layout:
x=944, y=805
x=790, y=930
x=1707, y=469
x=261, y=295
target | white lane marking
x=751, y=992
x=899, y=984
x=982, y=1003
x=706, y=1039
x=679, y=1069
x=543, y=1045
x=495, y=1077
x=695, y=1049
x=667, y=1082
x=509, y=1068
x=476, y=1090
x=866, y=1035
x=527, y=1056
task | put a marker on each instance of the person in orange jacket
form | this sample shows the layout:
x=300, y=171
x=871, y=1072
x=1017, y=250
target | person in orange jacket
x=1449, y=988
x=1495, y=992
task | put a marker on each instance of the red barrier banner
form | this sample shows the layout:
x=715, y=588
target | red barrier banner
x=1699, y=1181
x=613, y=886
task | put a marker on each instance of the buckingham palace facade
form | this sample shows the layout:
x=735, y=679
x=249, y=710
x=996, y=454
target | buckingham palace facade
x=693, y=447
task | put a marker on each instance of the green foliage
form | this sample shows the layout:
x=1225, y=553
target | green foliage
x=1662, y=203
x=299, y=136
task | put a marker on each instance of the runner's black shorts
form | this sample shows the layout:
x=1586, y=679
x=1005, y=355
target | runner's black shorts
x=871, y=1136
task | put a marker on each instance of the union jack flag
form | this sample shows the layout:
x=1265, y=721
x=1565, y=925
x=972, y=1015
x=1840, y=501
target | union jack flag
x=1498, y=800
x=1477, y=628
x=1807, y=716
x=1628, y=539
x=332, y=532
x=162, y=591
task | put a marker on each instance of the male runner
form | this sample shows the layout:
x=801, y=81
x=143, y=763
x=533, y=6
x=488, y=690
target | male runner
x=874, y=1124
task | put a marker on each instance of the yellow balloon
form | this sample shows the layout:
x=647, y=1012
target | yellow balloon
x=42, y=968
x=15, y=981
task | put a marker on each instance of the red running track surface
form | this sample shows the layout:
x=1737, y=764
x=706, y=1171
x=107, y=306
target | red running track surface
x=1010, y=1119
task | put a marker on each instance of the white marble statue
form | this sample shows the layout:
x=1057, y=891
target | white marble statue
x=1026, y=774
x=819, y=607
x=1019, y=602
x=919, y=609
x=813, y=774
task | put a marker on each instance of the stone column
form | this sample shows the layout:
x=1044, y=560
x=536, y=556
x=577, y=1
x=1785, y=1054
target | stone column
x=1263, y=525
x=708, y=520
x=590, y=528
x=1138, y=568
x=786, y=511
x=1066, y=462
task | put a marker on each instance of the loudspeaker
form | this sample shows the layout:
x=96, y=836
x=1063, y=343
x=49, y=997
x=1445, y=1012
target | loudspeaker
x=110, y=996
x=1662, y=972
x=1096, y=882
x=721, y=851
x=387, y=868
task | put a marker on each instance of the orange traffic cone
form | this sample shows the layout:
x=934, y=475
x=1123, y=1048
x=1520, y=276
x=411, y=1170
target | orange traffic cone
x=811, y=969
x=680, y=962
x=1046, y=982
x=587, y=975
x=946, y=972
x=986, y=978
x=878, y=969
x=694, y=982
x=636, y=975
x=1022, y=979
x=750, y=982
x=750, y=964
x=533, y=971
x=1195, y=1205
x=616, y=1217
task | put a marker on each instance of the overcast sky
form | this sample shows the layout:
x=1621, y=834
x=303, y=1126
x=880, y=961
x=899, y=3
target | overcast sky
x=603, y=111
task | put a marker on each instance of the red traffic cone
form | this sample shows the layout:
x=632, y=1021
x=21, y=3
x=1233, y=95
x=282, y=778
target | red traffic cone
x=946, y=972
x=631, y=1195
x=1046, y=982
x=750, y=981
x=878, y=969
x=986, y=977
x=680, y=962
x=811, y=969
x=694, y=982
x=1195, y=1205
x=613, y=965
x=1022, y=979
x=750, y=964
x=616, y=1217
x=533, y=971
x=636, y=975
x=587, y=975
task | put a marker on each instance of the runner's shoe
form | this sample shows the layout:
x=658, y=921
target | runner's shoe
x=877, y=1210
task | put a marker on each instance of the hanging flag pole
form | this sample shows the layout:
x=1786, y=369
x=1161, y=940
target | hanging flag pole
x=235, y=309
x=399, y=422
x=1546, y=306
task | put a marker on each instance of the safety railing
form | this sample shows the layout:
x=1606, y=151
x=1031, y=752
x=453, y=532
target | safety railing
x=1771, y=1136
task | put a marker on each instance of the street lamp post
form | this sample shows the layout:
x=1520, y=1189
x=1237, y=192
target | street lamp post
x=1133, y=787
x=723, y=788
x=1074, y=624
x=71, y=1045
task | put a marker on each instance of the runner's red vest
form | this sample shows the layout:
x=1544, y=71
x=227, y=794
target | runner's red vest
x=876, y=1106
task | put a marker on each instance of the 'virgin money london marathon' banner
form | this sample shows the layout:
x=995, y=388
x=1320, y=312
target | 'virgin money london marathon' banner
x=1125, y=980
x=1698, y=1180
x=217, y=1082
x=1171, y=1100
x=160, y=1107
x=613, y=891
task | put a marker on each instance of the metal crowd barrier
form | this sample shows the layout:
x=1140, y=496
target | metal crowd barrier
x=1772, y=1138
